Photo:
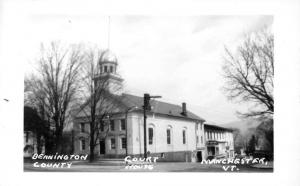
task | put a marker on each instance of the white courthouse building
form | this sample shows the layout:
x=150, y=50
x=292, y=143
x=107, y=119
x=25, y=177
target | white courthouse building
x=173, y=133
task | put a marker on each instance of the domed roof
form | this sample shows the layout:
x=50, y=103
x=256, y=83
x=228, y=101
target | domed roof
x=109, y=57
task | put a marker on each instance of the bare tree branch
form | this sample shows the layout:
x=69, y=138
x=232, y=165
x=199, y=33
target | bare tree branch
x=54, y=87
x=249, y=73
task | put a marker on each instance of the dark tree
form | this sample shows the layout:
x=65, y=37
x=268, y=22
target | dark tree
x=249, y=73
x=265, y=131
x=251, y=144
x=53, y=87
x=33, y=123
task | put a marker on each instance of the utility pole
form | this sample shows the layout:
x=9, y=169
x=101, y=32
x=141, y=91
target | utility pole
x=146, y=107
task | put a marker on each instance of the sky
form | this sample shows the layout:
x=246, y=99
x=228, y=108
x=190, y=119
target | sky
x=177, y=57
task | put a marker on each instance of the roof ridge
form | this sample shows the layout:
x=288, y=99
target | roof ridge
x=154, y=100
x=167, y=111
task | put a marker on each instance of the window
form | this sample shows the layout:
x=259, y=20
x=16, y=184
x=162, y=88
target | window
x=102, y=127
x=111, y=69
x=197, y=139
x=112, y=125
x=123, y=142
x=168, y=136
x=105, y=68
x=202, y=139
x=150, y=133
x=201, y=126
x=82, y=127
x=123, y=125
x=183, y=137
x=112, y=143
x=82, y=144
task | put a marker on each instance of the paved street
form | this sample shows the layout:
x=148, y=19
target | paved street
x=157, y=167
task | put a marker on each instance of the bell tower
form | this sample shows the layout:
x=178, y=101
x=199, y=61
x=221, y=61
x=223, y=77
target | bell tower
x=108, y=77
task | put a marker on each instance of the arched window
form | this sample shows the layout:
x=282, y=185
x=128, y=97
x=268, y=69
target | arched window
x=169, y=135
x=151, y=134
x=184, y=136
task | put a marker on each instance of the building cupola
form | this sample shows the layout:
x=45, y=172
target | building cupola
x=108, y=63
x=108, y=75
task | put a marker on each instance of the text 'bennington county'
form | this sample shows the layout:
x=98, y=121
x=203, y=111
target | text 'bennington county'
x=59, y=157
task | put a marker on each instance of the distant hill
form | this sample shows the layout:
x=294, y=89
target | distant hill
x=245, y=126
x=263, y=131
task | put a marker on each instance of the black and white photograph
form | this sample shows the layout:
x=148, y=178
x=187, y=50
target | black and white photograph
x=150, y=93
x=109, y=91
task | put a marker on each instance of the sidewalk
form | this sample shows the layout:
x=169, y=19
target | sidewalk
x=106, y=161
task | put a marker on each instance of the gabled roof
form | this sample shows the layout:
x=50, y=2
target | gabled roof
x=159, y=107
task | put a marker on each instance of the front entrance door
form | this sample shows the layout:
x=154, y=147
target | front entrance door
x=102, y=147
x=199, y=156
x=211, y=150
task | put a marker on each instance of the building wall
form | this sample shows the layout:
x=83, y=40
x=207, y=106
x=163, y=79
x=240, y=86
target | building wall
x=175, y=151
x=223, y=142
x=79, y=135
x=106, y=135
x=30, y=144
x=230, y=143
x=159, y=145
x=117, y=134
x=200, y=148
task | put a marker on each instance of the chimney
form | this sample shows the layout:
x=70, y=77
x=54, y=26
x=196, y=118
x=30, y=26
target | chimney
x=184, y=109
